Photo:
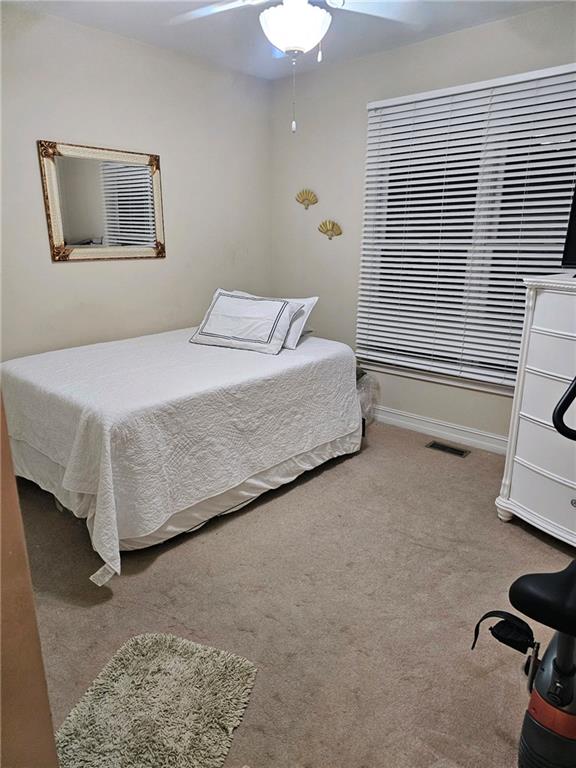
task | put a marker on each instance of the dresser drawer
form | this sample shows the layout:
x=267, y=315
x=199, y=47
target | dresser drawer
x=555, y=311
x=546, y=449
x=540, y=397
x=552, y=353
x=551, y=500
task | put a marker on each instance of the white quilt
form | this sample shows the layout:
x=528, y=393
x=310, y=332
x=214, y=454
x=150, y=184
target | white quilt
x=150, y=426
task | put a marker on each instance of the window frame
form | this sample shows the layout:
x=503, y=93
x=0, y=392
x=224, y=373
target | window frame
x=398, y=369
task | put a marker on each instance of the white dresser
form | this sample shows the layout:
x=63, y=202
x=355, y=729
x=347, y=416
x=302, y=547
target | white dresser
x=539, y=483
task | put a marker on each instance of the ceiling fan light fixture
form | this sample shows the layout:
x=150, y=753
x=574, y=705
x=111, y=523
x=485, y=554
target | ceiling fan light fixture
x=295, y=26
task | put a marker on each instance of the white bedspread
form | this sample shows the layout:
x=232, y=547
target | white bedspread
x=149, y=426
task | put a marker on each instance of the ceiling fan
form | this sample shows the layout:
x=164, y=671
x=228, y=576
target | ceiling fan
x=393, y=11
x=297, y=26
x=294, y=27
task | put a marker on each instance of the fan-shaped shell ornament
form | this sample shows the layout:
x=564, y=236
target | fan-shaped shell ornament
x=330, y=229
x=307, y=198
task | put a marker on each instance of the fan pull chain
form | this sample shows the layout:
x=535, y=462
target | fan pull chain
x=319, y=57
x=293, y=95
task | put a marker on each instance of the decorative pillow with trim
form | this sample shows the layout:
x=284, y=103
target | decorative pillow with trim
x=247, y=322
x=298, y=321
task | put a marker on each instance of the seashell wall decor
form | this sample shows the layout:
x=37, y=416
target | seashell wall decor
x=307, y=197
x=330, y=229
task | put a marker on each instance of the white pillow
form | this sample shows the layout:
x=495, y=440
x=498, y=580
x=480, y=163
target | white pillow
x=298, y=321
x=246, y=322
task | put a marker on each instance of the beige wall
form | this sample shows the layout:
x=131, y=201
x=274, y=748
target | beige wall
x=327, y=154
x=211, y=129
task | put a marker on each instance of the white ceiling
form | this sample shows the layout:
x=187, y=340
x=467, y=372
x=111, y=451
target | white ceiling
x=235, y=40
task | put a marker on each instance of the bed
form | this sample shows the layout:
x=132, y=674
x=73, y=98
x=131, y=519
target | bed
x=149, y=437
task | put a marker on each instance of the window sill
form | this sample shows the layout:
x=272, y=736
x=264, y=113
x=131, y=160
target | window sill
x=449, y=381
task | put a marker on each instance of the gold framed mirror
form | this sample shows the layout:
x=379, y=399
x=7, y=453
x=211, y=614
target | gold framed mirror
x=101, y=204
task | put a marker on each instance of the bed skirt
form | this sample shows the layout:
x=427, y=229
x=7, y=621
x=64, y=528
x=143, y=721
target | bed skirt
x=35, y=466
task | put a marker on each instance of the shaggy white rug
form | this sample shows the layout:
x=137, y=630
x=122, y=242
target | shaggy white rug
x=160, y=702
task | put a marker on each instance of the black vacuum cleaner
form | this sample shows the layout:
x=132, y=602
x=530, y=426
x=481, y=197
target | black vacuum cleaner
x=548, y=738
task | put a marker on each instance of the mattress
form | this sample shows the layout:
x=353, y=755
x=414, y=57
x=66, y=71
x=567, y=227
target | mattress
x=151, y=436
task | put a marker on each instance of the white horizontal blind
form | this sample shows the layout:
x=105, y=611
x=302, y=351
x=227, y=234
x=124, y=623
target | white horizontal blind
x=467, y=191
x=128, y=204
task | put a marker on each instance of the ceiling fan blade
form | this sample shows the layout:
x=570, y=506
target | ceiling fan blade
x=207, y=10
x=404, y=11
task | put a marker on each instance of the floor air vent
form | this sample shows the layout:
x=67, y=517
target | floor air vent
x=448, y=449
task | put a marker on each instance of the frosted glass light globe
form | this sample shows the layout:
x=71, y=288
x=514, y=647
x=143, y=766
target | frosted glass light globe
x=295, y=26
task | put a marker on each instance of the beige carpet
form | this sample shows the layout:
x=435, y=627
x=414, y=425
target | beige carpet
x=355, y=592
x=160, y=702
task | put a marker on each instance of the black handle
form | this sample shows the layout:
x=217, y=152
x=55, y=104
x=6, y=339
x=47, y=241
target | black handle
x=558, y=416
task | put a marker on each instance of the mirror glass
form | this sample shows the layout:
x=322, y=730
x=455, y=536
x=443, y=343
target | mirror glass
x=105, y=203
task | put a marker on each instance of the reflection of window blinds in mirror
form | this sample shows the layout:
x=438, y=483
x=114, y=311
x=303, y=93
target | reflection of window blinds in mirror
x=467, y=191
x=128, y=204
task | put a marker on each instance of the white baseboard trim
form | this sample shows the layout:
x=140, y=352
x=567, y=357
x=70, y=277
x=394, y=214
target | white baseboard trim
x=474, y=438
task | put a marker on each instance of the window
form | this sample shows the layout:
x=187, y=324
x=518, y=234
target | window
x=128, y=204
x=468, y=190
